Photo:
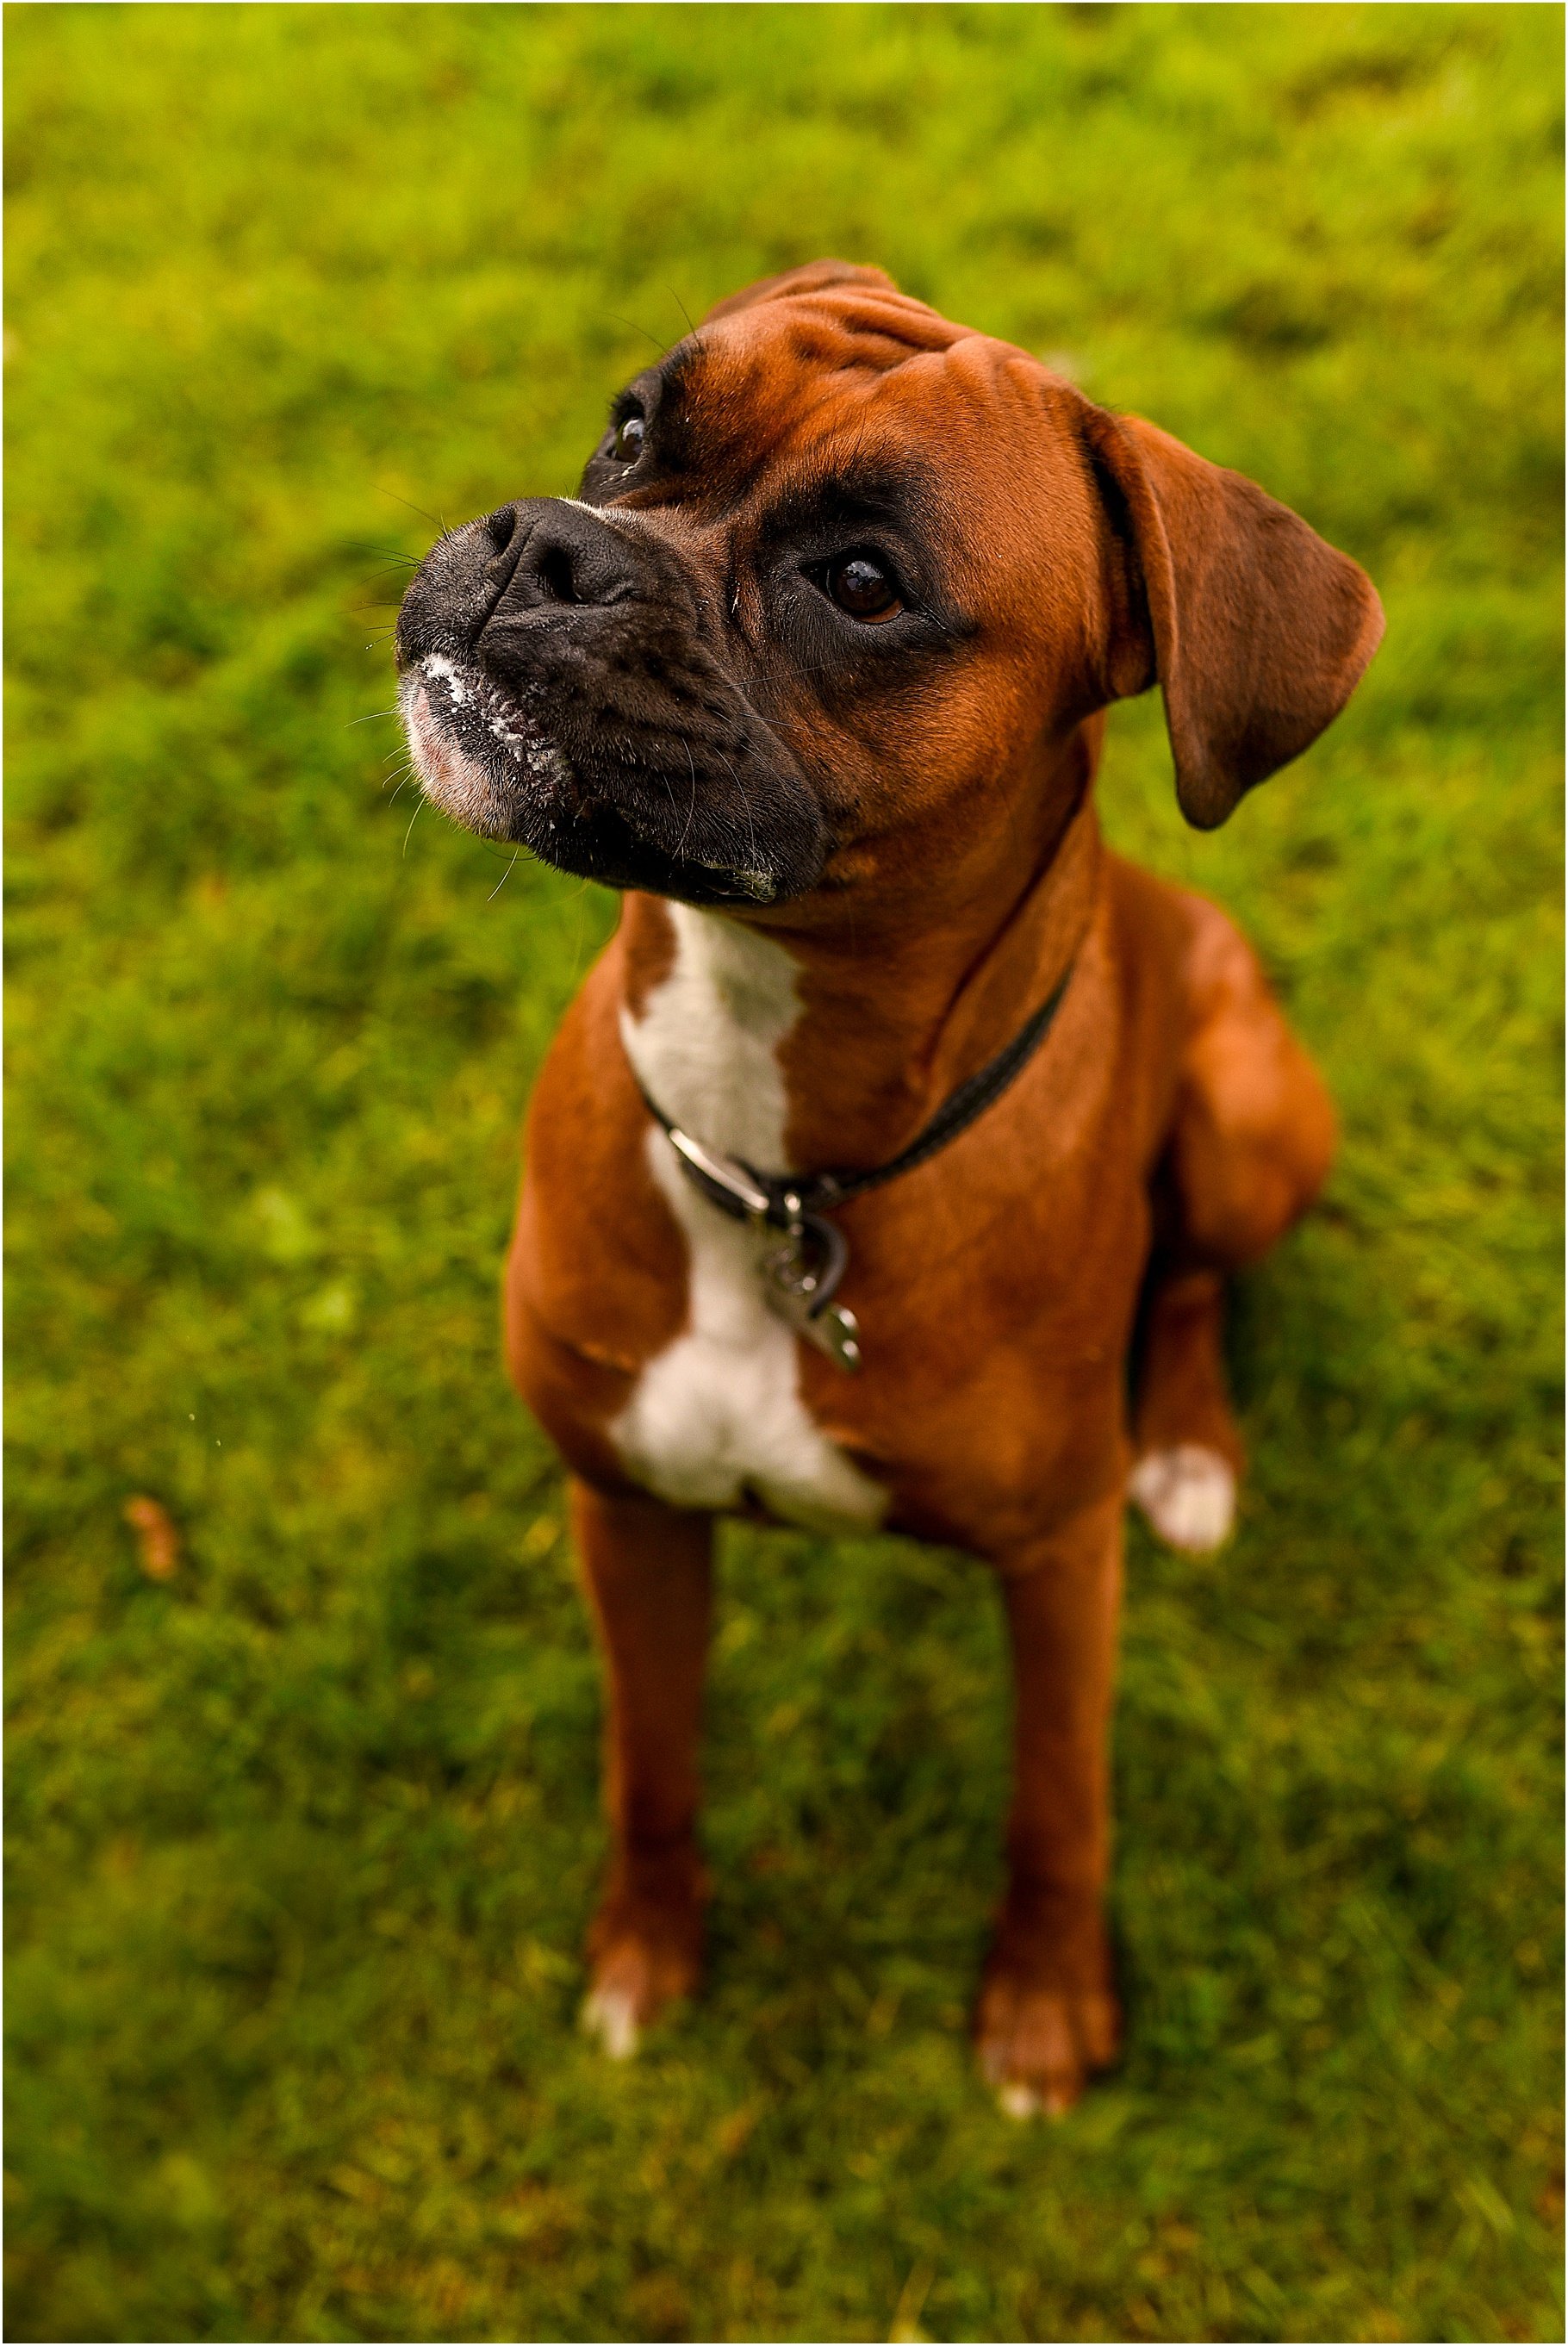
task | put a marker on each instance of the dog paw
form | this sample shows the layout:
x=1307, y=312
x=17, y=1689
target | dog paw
x=1038, y=2046
x=1188, y=1494
x=610, y=2014
x=637, y=1973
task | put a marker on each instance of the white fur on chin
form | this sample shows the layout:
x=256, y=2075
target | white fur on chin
x=450, y=779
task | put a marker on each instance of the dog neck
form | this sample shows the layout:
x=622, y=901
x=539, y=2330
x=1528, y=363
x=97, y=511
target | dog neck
x=830, y=1042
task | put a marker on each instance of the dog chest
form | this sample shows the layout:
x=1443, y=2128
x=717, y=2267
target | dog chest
x=719, y=1413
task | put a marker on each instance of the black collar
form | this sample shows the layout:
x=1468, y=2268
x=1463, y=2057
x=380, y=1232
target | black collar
x=797, y=1203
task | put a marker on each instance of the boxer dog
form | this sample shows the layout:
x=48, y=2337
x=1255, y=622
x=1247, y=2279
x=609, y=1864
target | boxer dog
x=899, y=1112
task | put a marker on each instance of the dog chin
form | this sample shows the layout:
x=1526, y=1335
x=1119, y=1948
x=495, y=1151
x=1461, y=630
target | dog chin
x=476, y=755
x=481, y=760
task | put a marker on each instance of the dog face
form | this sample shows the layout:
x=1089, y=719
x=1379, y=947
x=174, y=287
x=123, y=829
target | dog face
x=841, y=580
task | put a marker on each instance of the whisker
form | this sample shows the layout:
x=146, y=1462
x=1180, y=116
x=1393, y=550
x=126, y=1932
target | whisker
x=685, y=313
x=660, y=347
x=745, y=804
x=504, y=877
x=413, y=508
x=667, y=792
x=691, y=810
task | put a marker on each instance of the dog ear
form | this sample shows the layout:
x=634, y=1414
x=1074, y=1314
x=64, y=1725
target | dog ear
x=812, y=279
x=1255, y=629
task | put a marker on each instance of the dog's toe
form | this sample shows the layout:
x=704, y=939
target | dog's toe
x=1037, y=2046
x=610, y=2014
x=641, y=1966
x=1188, y=1494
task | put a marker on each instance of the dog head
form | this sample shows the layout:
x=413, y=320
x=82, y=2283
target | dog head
x=842, y=582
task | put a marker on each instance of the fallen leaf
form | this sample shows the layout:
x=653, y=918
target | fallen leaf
x=733, y=2132
x=157, y=1541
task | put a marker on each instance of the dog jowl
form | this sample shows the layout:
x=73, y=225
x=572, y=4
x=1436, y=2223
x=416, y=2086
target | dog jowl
x=567, y=683
x=814, y=670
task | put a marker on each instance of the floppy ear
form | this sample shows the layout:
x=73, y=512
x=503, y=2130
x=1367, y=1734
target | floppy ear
x=1256, y=630
x=812, y=279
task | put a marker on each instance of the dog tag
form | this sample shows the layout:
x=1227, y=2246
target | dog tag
x=791, y=1285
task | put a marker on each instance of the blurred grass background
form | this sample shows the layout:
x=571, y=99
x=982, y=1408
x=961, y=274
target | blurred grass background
x=304, y=1837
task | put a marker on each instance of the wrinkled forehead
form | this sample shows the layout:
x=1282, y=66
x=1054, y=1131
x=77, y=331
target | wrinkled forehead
x=840, y=381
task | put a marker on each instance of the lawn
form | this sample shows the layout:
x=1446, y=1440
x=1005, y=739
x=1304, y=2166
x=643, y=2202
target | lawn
x=304, y=1832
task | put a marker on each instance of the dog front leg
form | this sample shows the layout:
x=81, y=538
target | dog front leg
x=649, y=1572
x=1047, y=2012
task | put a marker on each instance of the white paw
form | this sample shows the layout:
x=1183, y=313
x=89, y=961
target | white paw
x=1021, y=2102
x=610, y=2015
x=1188, y=1494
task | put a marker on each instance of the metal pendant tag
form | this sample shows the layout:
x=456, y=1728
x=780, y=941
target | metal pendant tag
x=836, y=1332
x=790, y=1283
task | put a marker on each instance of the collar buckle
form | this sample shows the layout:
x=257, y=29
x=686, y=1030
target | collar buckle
x=747, y=1200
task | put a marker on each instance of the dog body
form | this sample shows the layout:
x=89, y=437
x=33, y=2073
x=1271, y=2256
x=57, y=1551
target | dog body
x=815, y=672
x=995, y=1286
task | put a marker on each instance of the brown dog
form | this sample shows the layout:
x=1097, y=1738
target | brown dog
x=814, y=669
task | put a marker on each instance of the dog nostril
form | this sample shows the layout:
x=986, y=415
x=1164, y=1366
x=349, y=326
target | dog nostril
x=501, y=527
x=555, y=575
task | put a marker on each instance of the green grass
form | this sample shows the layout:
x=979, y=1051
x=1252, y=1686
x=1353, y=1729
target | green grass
x=303, y=1841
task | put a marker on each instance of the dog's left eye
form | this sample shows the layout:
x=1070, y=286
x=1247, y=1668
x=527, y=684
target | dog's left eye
x=860, y=585
x=627, y=444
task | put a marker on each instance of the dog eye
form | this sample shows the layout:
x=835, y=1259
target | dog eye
x=858, y=584
x=627, y=444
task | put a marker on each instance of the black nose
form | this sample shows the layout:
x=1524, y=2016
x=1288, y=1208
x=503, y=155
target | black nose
x=548, y=552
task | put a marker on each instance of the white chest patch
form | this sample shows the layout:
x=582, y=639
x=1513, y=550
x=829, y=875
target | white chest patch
x=719, y=1409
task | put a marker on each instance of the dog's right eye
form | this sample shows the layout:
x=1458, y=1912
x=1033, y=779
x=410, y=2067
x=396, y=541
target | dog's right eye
x=627, y=444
